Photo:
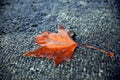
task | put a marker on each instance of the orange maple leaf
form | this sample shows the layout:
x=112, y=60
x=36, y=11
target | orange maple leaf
x=58, y=46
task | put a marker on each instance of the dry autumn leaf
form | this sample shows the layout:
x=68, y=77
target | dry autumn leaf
x=58, y=46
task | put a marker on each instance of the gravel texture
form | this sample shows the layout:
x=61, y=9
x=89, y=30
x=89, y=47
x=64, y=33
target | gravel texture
x=94, y=22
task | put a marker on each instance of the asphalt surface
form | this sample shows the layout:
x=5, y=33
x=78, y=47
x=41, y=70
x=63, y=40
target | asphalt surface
x=94, y=22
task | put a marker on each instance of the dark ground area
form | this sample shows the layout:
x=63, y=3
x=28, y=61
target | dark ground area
x=95, y=22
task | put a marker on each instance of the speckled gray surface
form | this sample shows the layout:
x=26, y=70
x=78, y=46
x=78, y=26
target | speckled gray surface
x=95, y=22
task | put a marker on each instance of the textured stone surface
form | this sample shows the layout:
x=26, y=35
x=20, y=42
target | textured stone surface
x=94, y=22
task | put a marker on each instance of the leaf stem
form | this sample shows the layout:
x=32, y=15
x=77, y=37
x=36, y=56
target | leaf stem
x=111, y=54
